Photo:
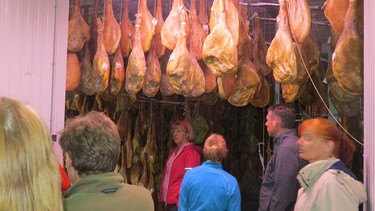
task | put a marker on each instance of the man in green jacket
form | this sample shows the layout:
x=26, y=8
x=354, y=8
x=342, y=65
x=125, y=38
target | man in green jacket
x=91, y=148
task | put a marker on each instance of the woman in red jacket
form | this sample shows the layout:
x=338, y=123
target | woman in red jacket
x=185, y=155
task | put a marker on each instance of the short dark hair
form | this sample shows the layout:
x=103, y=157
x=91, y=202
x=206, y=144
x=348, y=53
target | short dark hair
x=93, y=143
x=285, y=112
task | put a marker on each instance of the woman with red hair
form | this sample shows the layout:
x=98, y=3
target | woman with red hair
x=326, y=182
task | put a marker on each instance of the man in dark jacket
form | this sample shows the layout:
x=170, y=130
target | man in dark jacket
x=280, y=186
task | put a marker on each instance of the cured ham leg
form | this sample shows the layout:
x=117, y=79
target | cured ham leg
x=347, y=59
x=73, y=72
x=101, y=65
x=172, y=25
x=260, y=48
x=226, y=86
x=136, y=69
x=87, y=73
x=165, y=86
x=299, y=19
x=246, y=84
x=112, y=30
x=126, y=31
x=262, y=97
x=335, y=11
x=158, y=14
x=209, y=78
x=197, y=32
x=117, y=73
x=153, y=73
x=281, y=55
x=148, y=23
x=78, y=30
x=180, y=68
x=93, y=42
x=203, y=16
x=220, y=46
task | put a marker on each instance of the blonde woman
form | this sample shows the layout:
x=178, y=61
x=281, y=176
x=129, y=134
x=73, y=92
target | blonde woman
x=209, y=186
x=29, y=171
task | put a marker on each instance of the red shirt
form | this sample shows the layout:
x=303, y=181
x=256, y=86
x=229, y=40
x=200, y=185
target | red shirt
x=65, y=182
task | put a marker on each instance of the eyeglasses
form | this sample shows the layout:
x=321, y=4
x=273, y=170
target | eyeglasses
x=178, y=131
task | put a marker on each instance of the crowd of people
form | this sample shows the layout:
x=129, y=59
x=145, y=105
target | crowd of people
x=307, y=171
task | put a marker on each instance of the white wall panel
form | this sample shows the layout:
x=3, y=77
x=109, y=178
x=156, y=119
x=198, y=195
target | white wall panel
x=33, y=39
x=369, y=103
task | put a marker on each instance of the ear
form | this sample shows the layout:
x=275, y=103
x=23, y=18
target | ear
x=68, y=160
x=331, y=146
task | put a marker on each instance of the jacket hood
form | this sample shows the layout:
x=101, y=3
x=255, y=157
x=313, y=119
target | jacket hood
x=354, y=186
x=308, y=176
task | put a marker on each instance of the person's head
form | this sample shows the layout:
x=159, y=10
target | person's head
x=91, y=145
x=29, y=170
x=320, y=139
x=279, y=117
x=215, y=148
x=182, y=132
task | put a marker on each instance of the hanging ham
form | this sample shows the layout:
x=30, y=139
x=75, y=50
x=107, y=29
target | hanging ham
x=136, y=167
x=246, y=84
x=335, y=89
x=347, y=59
x=112, y=30
x=126, y=31
x=197, y=32
x=220, y=46
x=153, y=73
x=87, y=73
x=231, y=17
x=198, y=80
x=165, y=86
x=244, y=47
x=203, y=16
x=117, y=73
x=78, y=30
x=335, y=10
x=101, y=65
x=94, y=30
x=73, y=72
x=209, y=78
x=158, y=14
x=280, y=55
x=226, y=86
x=180, y=68
x=136, y=68
x=307, y=58
x=171, y=25
x=299, y=19
x=260, y=47
x=262, y=97
x=148, y=23
x=289, y=91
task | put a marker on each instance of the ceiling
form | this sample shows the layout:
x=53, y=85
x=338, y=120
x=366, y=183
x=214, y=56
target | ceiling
x=268, y=10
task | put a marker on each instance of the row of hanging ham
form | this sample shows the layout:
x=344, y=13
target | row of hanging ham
x=188, y=54
x=193, y=54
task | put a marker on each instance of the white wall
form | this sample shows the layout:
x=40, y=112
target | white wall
x=369, y=102
x=33, y=40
